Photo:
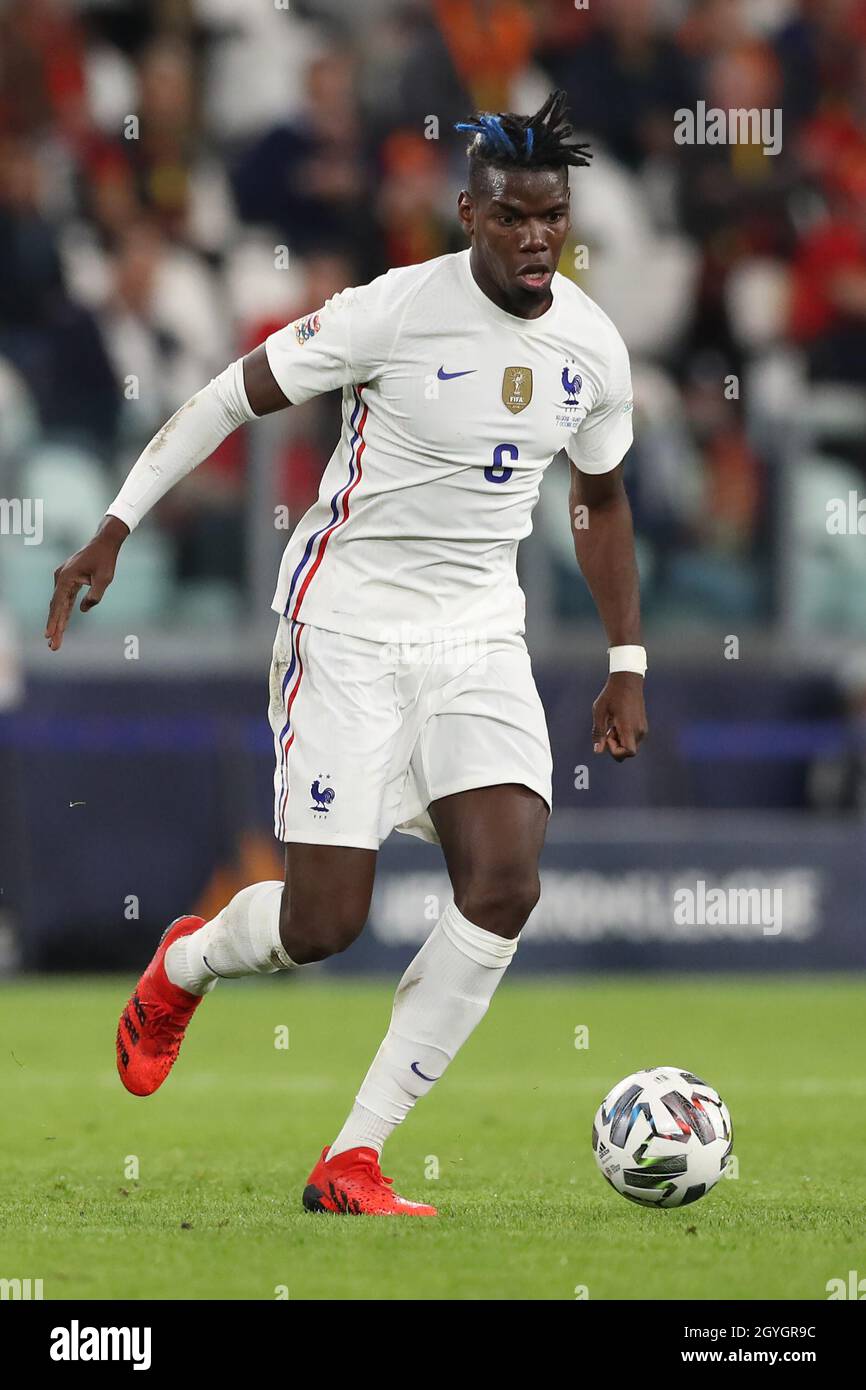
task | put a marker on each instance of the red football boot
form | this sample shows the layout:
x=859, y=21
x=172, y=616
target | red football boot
x=152, y=1025
x=352, y=1184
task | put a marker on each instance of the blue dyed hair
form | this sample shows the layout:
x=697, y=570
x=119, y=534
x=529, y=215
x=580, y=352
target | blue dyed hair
x=505, y=140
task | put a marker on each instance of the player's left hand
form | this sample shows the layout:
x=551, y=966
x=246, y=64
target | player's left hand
x=618, y=716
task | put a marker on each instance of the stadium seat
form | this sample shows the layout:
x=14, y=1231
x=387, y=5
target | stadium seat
x=201, y=602
x=26, y=580
x=833, y=411
x=143, y=587
x=74, y=490
x=141, y=591
x=19, y=422
x=828, y=579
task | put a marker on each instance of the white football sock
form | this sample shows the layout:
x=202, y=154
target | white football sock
x=243, y=939
x=444, y=994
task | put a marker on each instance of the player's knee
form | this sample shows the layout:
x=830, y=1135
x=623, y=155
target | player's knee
x=501, y=899
x=321, y=931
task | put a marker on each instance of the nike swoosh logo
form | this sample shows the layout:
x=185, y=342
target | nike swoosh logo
x=420, y=1073
x=449, y=376
x=212, y=971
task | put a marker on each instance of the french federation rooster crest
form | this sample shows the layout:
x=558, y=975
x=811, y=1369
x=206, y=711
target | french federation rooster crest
x=322, y=796
x=571, y=386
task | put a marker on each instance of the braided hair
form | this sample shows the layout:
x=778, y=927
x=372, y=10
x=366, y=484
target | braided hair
x=507, y=141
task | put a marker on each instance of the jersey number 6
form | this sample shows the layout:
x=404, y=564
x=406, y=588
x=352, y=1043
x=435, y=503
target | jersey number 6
x=499, y=473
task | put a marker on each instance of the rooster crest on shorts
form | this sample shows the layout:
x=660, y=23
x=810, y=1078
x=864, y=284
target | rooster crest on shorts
x=322, y=796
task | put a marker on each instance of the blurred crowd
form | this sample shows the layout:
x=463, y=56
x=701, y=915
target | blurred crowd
x=180, y=177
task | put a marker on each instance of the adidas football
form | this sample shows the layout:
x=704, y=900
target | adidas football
x=662, y=1137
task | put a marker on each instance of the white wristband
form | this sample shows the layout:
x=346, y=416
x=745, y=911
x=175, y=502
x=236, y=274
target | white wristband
x=189, y=437
x=627, y=659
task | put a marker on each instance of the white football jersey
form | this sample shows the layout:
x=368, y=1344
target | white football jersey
x=452, y=410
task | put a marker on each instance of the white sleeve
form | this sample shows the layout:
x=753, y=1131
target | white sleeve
x=343, y=343
x=184, y=441
x=605, y=435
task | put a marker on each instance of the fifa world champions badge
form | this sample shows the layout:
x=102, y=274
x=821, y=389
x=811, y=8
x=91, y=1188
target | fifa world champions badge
x=517, y=388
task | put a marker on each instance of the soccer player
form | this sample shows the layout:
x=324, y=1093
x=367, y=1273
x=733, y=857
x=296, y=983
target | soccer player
x=401, y=691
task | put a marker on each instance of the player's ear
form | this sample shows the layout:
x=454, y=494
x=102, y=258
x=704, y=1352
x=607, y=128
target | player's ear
x=466, y=211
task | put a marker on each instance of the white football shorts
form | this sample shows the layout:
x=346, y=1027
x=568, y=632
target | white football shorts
x=367, y=734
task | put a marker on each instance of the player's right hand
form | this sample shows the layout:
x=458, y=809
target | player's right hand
x=93, y=565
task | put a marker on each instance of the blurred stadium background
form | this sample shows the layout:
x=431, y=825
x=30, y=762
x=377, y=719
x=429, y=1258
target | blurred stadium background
x=180, y=177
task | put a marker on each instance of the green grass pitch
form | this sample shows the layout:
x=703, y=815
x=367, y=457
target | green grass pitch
x=223, y=1150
